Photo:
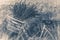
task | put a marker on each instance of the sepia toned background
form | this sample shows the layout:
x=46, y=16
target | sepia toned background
x=55, y=3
